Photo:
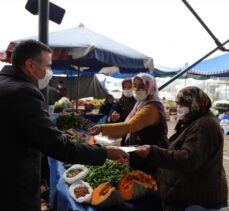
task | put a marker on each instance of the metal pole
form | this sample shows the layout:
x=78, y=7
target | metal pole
x=43, y=12
x=190, y=67
x=43, y=20
x=218, y=43
x=78, y=83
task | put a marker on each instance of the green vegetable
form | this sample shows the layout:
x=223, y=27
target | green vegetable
x=111, y=171
x=68, y=121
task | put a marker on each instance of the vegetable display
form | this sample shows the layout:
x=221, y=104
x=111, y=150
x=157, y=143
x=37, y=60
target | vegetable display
x=73, y=172
x=221, y=105
x=80, y=191
x=106, y=195
x=136, y=184
x=110, y=171
x=65, y=122
x=110, y=184
x=75, y=135
x=62, y=103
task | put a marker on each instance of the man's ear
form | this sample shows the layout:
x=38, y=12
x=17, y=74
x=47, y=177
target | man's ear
x=29, y=64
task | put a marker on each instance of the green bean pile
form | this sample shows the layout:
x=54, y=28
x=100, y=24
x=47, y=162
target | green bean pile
x=111, y=171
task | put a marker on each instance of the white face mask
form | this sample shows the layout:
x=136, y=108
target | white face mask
x=42, y=83
x=139, y=95
x=182, y=111
x=127, y=92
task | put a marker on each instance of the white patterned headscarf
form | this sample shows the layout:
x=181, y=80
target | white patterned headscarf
x=151, y=91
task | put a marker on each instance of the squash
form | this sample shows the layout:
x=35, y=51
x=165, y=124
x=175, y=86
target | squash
x=135, y=184
x=92, y=140
x=106, y=195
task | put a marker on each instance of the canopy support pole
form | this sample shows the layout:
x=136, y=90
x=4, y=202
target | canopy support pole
x=43, y=11
x=220, y=46
x=78, y=83
x=43, y=20
x=217, y=42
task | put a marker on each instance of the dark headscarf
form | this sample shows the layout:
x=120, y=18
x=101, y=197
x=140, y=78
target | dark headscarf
x=197, y=100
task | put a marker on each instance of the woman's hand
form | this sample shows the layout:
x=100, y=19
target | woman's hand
x=95, y=130
x=115, y=116
x=143, y=151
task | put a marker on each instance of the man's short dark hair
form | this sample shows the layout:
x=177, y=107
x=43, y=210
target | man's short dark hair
x=28, y=49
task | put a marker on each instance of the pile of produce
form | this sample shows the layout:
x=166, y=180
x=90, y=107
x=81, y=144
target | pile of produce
x=65, y=122
x=75, y=173
x=110, y=184
x=75, y=135
x=81, y=192
x=135, y=184
x=222, y=105
x=170, y=104
x=63, y=103
x=94, y=102
x=132, y=185
x=110, y=171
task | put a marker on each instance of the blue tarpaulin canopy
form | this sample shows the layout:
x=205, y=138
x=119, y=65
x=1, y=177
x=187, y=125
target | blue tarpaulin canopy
x=71, y=71
x=82, y=47
x=159, y=71
x=214, y=67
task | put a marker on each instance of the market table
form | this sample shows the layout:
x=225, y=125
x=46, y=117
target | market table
x=93, y=117
x=61, y=200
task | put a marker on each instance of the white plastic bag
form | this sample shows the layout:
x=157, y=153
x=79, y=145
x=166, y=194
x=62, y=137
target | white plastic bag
x=103, y=140
x=83, y=199
x=79, y=176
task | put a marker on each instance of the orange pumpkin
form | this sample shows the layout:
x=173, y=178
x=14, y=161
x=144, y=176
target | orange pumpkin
x=106, y=195
x=135, y=184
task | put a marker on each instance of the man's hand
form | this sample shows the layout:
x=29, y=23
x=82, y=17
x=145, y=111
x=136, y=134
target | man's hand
x=143, y=151
x=115, y=153
x=95, y=130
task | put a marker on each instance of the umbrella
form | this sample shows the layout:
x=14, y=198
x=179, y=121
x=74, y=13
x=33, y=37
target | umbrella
x=82, y=47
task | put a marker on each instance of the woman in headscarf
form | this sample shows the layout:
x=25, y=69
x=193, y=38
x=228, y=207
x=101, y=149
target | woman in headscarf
x=192, y=170
x=146, y=123
x=121, y=109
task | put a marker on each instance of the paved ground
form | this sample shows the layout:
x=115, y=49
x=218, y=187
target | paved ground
x=171, y=125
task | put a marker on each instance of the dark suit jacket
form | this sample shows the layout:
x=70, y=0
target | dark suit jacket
x=26, y=132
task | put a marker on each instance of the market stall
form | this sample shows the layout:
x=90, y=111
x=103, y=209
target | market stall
x=61, y=199
x=114, y=177
x=87, y=108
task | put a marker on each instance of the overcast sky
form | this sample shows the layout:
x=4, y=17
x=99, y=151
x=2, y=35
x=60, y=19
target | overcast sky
x=162, y=29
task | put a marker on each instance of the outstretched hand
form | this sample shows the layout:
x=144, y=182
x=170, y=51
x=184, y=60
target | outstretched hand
x=95, y=130
x=143, y=151
x=116, y=153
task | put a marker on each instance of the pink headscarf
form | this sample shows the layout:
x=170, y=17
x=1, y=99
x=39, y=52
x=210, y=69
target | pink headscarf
x=151, y=91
